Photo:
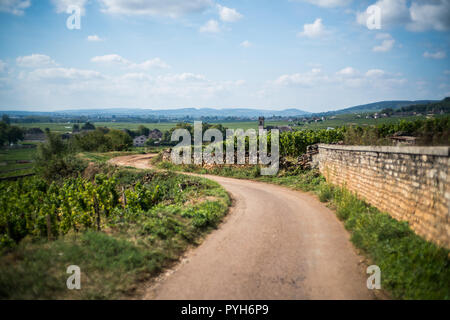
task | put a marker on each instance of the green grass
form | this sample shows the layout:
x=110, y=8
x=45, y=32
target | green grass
x=412, y=268
x=132, y=247
x=8, y=162
x=64, y=127
x=102, y=157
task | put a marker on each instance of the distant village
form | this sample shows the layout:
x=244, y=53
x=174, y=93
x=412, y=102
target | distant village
x=155, y=135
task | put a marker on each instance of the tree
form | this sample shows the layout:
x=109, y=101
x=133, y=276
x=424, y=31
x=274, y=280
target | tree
x=95, y=140
x=88, y=126
x=132, y=134
x=10, y=134
x=76, y=128
x=167, y=135
x=150, y=142
x=34, y=131
x=101, y=140
x=3, y=133
x=120, y=141
x=5, y=119
x=143, y=131
x=55, y=160
x=14, y=134
x=388, y=111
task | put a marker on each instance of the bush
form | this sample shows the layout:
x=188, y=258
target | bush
x=55, y=161
x=102, y=141
x=325, y=192
x=429, y=132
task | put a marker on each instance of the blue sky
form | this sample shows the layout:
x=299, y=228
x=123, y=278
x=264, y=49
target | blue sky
x=315, y=55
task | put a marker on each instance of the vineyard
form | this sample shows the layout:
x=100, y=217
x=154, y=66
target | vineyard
x=121, y=221
x=428, y=132
x=295, y=143
x=32, y=207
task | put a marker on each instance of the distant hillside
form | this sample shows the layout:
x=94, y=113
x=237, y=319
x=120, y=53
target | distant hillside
x=378, y=106
x=434, y=107
x=194, y=113
x=169, y=113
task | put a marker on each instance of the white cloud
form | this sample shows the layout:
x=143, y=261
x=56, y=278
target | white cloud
x=94, y=38
x=137, y=76
x=167, y=8
x=182, y=77
x=246, y=44
x=149, y=64
x=430, y=16
x=307, y=79
x=116, y=59
x=53, y=74
x=392, y=12
x=349, y=71
x=383, y=36
x=313, y=30
x=435, y=55
x=375, y=73
x=420, y=16
x=62, y=5
x=35, y=61
x=110, y=58
x=212, y=26
x=228, y=14
x=347, y=77
x=386, y=45
x=329, y=3
x=16, y=7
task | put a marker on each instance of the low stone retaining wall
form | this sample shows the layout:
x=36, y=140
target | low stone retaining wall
x=410, y=183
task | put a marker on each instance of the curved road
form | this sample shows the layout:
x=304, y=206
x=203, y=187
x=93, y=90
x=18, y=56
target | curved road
x=276, y=243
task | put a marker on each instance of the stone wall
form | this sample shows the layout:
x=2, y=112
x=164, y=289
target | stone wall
x=410, y=183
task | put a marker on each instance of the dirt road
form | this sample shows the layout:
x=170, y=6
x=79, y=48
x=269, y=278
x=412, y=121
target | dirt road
x=276, y=243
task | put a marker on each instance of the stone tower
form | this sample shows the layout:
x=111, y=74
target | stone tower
x=261, y=125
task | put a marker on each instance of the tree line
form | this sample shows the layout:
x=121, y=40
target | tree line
x=8, y=133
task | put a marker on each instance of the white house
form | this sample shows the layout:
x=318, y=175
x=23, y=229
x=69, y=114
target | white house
x=140, y=141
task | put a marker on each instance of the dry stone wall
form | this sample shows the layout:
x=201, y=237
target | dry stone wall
x=410, y=183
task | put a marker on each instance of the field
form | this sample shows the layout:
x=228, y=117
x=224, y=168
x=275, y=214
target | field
x=339, y=121
x=9, y=158
x=67, y=127
x=9, y=165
